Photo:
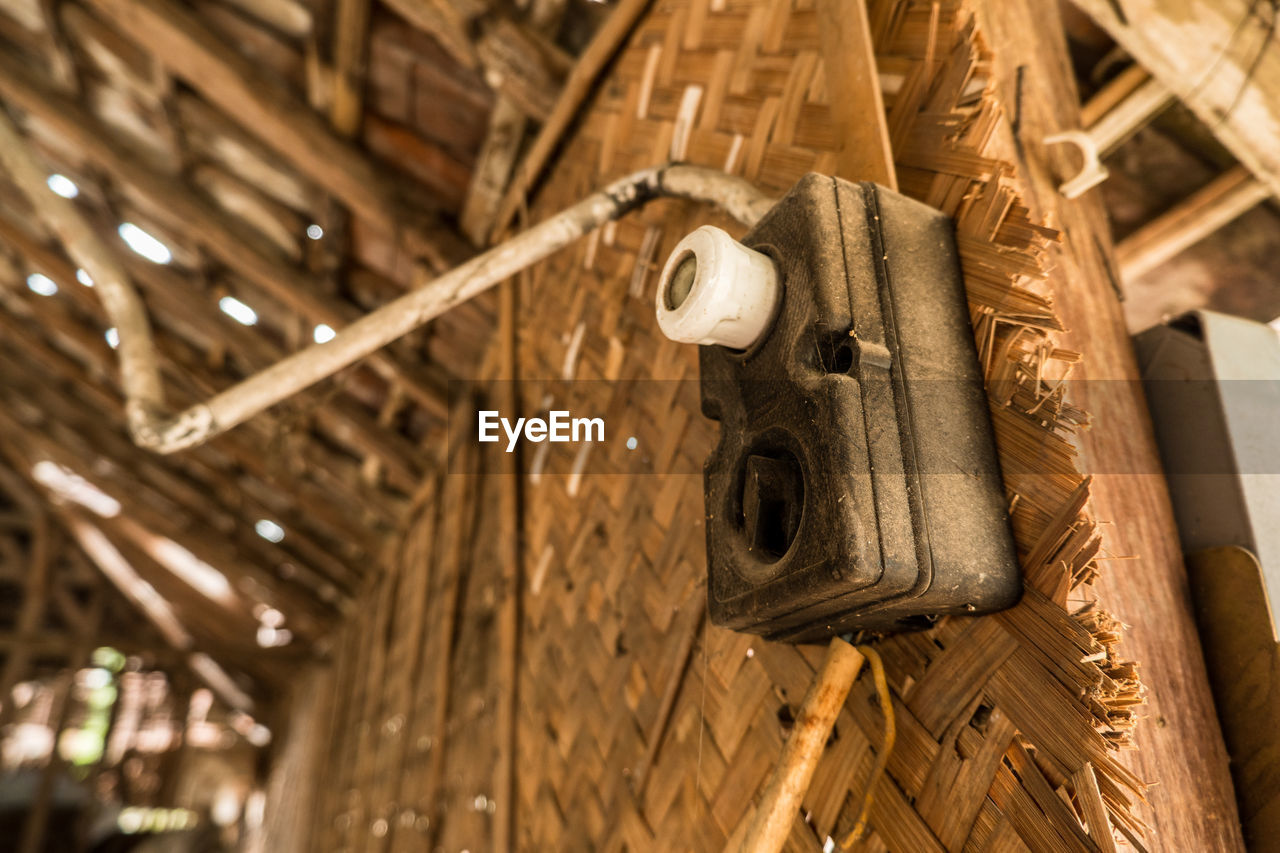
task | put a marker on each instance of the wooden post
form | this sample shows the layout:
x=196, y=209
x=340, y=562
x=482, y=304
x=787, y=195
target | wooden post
x=510, y=580
x=1179, y=743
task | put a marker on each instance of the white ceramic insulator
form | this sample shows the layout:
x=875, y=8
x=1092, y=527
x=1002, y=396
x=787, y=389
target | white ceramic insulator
x=732, y=297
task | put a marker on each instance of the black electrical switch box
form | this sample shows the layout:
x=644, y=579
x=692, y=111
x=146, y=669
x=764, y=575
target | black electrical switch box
x=855, y=484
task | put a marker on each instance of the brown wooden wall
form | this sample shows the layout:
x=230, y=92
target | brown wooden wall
x=639, y=725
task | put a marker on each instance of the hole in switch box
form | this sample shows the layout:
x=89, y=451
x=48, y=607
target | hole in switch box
x=682, y=280
x=835, y=352
x=772, y=502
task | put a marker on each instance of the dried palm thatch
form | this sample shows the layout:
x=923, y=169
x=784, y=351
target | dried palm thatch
x=639, y=726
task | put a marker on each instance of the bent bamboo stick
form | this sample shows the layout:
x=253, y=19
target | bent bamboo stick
x=790, y=780
x=149, y=422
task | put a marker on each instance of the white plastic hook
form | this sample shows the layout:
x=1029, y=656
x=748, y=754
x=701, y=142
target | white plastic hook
x=1093, y=172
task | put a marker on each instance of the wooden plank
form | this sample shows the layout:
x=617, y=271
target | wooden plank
x=527, y=67
x=1179, y=744
x=853, y=93
x=1222, y=200
x=493, y=166
x=507, y=123
x=1221, y=59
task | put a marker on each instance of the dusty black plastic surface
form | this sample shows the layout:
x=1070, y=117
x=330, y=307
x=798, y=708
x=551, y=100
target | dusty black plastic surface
x=855, y=483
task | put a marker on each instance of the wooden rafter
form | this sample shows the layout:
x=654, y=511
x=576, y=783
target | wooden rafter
x=1223, y=199
x=444, y=22
x=150, y=495
x=350, y=44
x=507, y=124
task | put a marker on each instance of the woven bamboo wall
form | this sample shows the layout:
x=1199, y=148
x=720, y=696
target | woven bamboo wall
x=1008, y=726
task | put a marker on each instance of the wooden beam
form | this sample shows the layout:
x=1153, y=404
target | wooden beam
x=523, y=65
x=131, y=479
x=1221, y=59
x=1222, y=200
x=853, y=92
x=341, y=419
x=1112, y=94
x=125, y=578
x=228, y=79
x=313, y=501
x=1180, y=746
x=497, y=156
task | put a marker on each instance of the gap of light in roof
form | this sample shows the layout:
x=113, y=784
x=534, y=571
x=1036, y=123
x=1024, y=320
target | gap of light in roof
x=83, y=278
x=41, y=284
x=269, y=530
x=113, y=337
x=195, y=572
x=62, y=185
x=323, y=333
x=144, y=244
x=238, y=311
x=314, y=231
x=67, y=484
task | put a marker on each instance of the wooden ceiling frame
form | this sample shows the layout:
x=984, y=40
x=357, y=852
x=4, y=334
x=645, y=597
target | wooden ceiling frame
x=203, y=223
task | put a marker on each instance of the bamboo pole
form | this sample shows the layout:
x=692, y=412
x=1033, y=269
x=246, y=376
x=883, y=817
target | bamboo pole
x=790, y=781
x=149, y=423
x=139, y=368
